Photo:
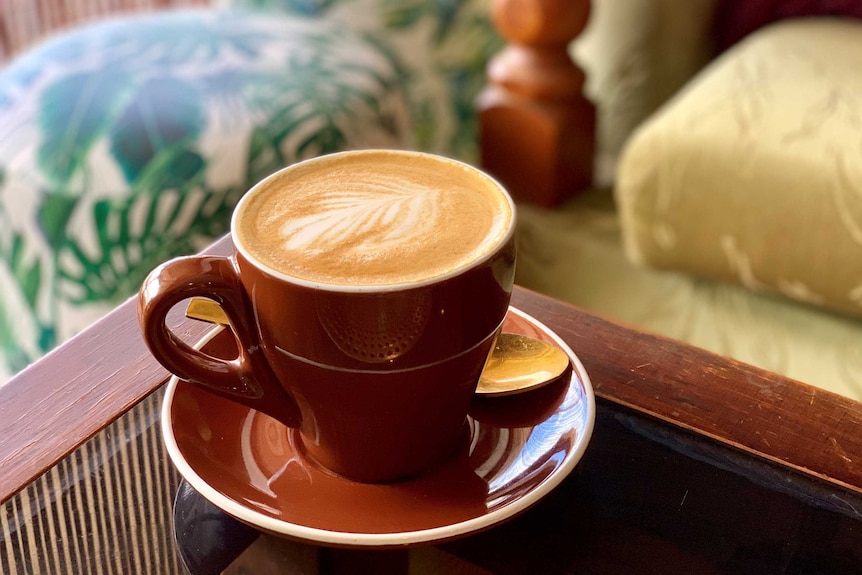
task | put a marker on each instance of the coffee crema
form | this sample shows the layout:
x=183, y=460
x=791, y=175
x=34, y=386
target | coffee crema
x=373, y=218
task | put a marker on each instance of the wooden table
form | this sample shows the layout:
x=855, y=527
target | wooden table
x=691, y=452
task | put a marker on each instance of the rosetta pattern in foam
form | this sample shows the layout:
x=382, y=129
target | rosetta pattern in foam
x=375, y=214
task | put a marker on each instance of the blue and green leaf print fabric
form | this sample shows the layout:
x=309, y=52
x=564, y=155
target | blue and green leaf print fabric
x=128, y=142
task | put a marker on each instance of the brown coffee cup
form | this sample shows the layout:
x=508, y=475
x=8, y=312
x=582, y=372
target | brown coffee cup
x=372, y=362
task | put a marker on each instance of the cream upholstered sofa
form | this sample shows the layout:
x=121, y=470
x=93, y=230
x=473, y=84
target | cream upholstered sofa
x=731, y=214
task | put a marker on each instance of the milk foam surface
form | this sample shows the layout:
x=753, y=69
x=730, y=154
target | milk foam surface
x=373, y=218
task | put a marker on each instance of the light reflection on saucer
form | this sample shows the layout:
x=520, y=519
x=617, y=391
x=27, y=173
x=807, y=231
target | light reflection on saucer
x=517, y=450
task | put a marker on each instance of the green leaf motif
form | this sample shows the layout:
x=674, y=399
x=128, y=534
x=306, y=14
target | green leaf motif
x=173, y=167
x=163, y=113
x=53, y=216
x=400, y=14
x=23, y=267
x=310, y=101
x=135, y=234
x=461, y=61
x=16, y=358
x=75, y=110
x=27, y=272
x=31, y=279
x=424, y=123
x=47, y=339
x=327, y=140
x=264, y=157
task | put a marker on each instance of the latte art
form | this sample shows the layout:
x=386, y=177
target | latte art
x=373, y=218
x=366, y=215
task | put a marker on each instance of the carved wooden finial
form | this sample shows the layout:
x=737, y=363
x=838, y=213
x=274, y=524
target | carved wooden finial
x=537, y=130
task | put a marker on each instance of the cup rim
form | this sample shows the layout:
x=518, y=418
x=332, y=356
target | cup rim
x=374, y=288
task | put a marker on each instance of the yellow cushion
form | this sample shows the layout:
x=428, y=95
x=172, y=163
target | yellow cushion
x=753, y=172
x=574, y=253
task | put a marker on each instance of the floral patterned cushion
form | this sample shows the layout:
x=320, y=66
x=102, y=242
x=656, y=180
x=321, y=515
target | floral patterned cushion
x=444, y=46
x=128, y=142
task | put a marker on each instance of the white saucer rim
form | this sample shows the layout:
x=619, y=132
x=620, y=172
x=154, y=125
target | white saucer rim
x=382, y=540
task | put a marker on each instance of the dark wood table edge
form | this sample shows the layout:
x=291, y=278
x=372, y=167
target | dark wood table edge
x=59, y=402
x=808, y=429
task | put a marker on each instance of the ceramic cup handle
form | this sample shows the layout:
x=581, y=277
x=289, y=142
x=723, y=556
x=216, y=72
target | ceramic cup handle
x=247, y=379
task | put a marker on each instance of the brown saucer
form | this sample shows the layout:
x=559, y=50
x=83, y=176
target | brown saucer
x=515, y=451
